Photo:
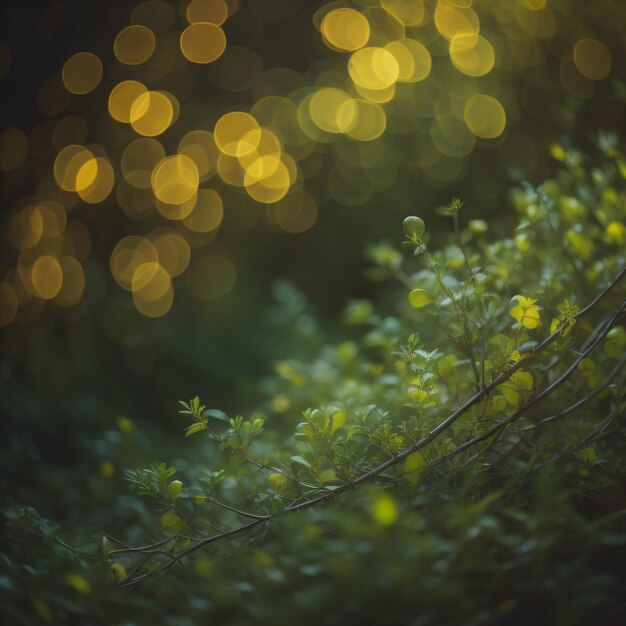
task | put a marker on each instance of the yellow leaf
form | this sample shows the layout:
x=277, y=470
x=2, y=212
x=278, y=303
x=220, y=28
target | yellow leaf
x=276, y=480
x=327, y=476
x=526, y=312
x=119, y=571
x=419, y=298
x=517, y=387
x=338, y=420
x=414, y=467
x=78, y=582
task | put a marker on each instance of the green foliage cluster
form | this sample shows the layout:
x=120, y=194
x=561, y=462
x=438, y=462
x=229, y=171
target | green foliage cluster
x=458, y=459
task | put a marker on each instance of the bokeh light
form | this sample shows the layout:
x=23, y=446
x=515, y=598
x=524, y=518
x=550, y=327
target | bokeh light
x=182, y=124
x=134, y=45
x=82, y=73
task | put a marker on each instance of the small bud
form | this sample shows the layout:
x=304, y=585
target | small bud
x=414, y=228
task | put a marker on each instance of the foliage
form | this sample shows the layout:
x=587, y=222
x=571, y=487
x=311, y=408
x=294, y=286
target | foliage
x=457, y=460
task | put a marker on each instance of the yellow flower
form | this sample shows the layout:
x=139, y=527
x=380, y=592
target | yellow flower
x=526, y=312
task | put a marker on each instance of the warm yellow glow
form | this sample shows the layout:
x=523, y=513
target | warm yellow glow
x=47, y=277
x=73, y=282
x=134, y=45
x=151, y=114
x=231, y=128
x=82, y=73
x=373, y=68
x=263, y=159
x=139, y=159
x=323, y=108
x=129, y=253
x=175, y=179
x=200, y=147
x=230, y=170
x=452, y=20
x=592, y=59
x=176, y=212
x=409, y=12
x=207, y=213
x=485, y=116
x=202, y=42
x=48, y=218
x=172, y=249
x=153, y=294
x=26, y=228
x=414, y=60
x=270, y=188
x=122, y=97
x=364, y=121
x=101, y=186
x=345, y=30
x=213, y=11
x=72, y=161
x=472, y=55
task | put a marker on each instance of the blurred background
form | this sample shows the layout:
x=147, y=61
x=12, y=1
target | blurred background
x=189, y=188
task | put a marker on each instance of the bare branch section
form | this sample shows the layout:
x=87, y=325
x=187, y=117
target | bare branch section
x=174, y=549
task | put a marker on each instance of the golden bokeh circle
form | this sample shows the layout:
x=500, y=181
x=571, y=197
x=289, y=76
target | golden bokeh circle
x=345, y=30
x=592, y=59
x=151, y=114
x=202, y=42
x=82, y=73
x=485, y=116
x=134, y=45
x=175, y=180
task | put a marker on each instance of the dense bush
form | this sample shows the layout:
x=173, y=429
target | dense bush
x=459, y=455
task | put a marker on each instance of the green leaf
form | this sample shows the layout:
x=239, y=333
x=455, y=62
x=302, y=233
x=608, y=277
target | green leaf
x=419, y=298
x=301, y=461
x=588, y=455
x=414, y=467
x=193, y=429
x=216, y=413
x=257, y=424
x=327, y=476
x=174, y=489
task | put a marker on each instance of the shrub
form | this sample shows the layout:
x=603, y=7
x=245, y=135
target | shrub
x=459, y=458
